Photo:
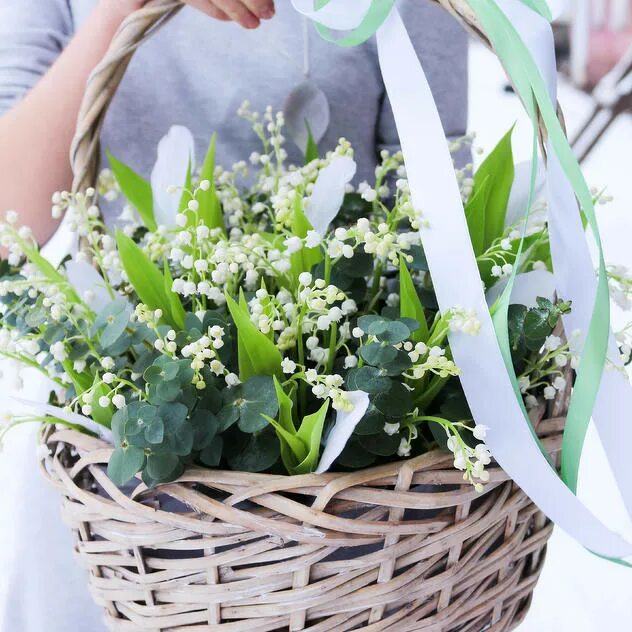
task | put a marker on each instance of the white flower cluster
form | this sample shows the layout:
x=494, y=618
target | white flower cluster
x=329, y=387
x=546, y=373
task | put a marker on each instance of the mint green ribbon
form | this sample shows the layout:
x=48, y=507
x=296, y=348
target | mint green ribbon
x=375, y=17
x=530, y=85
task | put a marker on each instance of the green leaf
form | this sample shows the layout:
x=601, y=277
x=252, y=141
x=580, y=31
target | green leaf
x=498, y=168
x=310, y=433
x=541, y=7
x=178, y=314
x=148, y=282
x=124, y=464
x=258, y=355
x=185, y=198
x=136, y=189
x=311, y=151
x=372, y=422
x=306, y=258
x=381, y=443
x=377, y=354
x=210, y=211
x=391, y=332
x=100, y=414
x=161, y=465
x=116, y=319
x=255, y=399
x=212, y=454
x=476, y=213
x=396, y=402
x=292, y=450
x=368, y=379
x=410, y=304
x=253, y=453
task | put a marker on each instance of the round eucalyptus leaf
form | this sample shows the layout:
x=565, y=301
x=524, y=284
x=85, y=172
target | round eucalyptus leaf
x=394, y=403
x=161, y=465
x=125, y=463
x=253, y=453
x=368, y=379
x=354, y=456
x=372, y=422
x=377, y=354
x=391, y=332
x=380, y=443
x=257, y=397
x=212, y=454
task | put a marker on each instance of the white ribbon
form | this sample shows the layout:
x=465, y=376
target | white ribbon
x=448, y=249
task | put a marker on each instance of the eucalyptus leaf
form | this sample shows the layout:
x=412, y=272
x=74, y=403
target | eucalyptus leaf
x=368, y=379
x=124, y=464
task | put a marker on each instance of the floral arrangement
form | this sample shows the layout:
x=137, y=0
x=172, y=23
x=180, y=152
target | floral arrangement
x=269, y=318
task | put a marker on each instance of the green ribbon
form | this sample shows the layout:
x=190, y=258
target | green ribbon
x=520, y=66
x=375, y=17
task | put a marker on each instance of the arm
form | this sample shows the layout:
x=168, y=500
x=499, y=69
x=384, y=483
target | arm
x=36, y=133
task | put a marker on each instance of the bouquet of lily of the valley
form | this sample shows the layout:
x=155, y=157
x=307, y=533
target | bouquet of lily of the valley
x=270, y=318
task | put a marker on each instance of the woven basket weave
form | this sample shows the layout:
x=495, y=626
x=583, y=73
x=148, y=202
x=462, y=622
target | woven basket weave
x=400, y=547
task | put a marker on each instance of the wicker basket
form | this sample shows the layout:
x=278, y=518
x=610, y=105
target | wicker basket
x=404, y=546
x=400, y=547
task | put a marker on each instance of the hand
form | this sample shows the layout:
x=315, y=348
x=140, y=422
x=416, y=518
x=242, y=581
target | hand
x=248, y=13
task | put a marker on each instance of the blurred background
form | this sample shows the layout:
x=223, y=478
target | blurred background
x=578, y=592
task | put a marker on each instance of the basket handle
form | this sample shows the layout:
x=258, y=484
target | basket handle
x=106, y=77
x=103, y=83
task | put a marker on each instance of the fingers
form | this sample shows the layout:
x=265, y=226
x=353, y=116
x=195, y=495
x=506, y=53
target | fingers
x=248, y=13
x=263, y=9
x=210, y=9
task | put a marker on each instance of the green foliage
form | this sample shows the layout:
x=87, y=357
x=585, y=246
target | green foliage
x=311, y=151
x=150, y=285
x=112, y=321
x=136, y=189
x=476, y=214
x=210, y=210
x=492, y=180
x=529, y=328
x=410, y=305
x=257, y=354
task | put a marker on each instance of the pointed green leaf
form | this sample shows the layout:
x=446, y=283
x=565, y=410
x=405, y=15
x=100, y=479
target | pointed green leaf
x=410, y=304
x=178, y=315
x=258, y=355
x=186, y=193
x=311, y=151
x=499, y=168
x=147, y=280
x=310, y=433
x=136, y=189
x=210, y=211
x=475, y=213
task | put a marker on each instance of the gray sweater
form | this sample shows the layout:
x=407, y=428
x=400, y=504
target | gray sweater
x=197, y=72
x=194, y=72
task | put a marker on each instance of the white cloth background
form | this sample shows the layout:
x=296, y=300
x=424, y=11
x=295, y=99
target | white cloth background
x=40, y=580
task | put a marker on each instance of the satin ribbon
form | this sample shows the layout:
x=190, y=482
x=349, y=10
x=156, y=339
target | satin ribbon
x=486, y=381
